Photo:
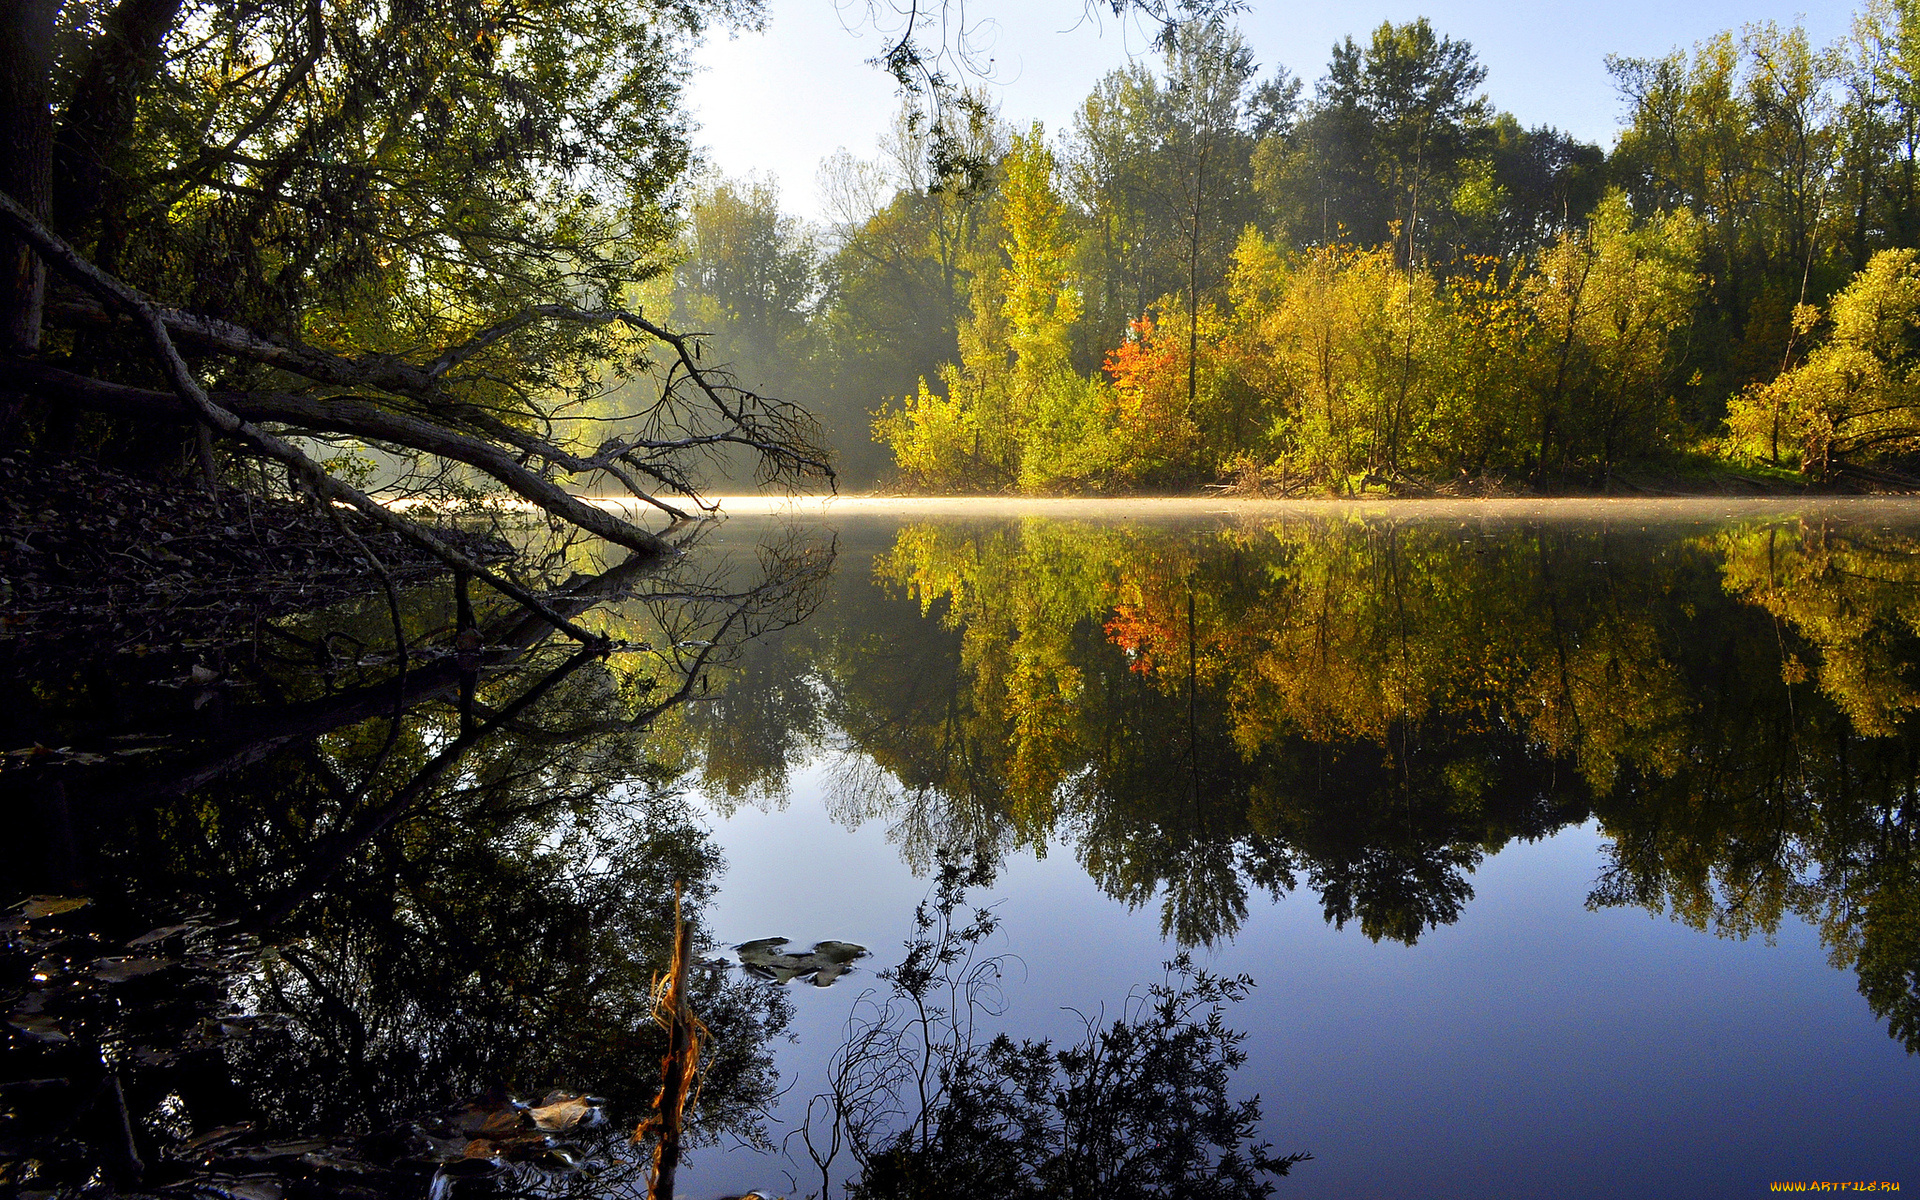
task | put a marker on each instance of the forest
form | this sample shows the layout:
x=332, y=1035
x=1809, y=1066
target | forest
x=354, y=828
x=1219, y=275
x=236, y=248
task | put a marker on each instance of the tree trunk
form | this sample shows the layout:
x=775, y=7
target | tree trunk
x=97, y=119
x=26, y=157
x=679, y=1068
x=338, y=415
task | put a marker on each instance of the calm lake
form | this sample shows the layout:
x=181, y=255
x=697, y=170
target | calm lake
x=1570, y=848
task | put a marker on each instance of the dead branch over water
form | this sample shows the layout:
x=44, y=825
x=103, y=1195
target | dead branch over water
x=390, y=401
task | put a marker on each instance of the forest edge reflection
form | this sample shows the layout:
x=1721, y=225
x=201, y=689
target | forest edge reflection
x=405, y=895
x=1371, y=706
x=348, y=888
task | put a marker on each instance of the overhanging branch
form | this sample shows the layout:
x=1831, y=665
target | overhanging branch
x=63, y=258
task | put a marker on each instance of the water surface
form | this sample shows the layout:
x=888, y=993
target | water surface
x=1570, y=845
x=1570, y=848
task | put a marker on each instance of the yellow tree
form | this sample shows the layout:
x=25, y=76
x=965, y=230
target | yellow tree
x=1606, y=303
x=1014, y=413
x=1857, y=395
x=1065, y=419
x=1850, y=594
x=1348, y=336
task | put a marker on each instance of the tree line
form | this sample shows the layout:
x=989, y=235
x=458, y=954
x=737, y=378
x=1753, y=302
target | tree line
x=1219, y=274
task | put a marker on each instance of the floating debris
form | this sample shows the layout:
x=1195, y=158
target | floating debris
x=826, y=962
x=35, y=907
x=119, y=970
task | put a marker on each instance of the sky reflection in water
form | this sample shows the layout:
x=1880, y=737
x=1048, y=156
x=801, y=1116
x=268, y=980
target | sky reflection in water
x=1468, y=793
x=1620, y=694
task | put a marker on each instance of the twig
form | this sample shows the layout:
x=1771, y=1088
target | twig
x=681, y=1065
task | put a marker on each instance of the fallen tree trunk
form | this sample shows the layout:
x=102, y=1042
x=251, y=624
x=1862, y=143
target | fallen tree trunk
x=400, y=404
x=63, y=258
x=335, y=414
x=778, y=432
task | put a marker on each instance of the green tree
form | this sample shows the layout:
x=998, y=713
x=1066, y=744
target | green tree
x=1378, y=153
x=748, y=283
x=905, y=243
x=411, y=224
x=748, y=275
x=1520, y=189
x=1417, y=91
x=1741, y=132
x=1880, y=173
x=1159, y=169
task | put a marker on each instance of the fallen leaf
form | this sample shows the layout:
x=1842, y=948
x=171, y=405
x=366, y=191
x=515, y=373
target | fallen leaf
x=565, y=1114
x=34, y=907
x=39, y=1028
x=224, y=1133
x=119, y=970
x=277, y=1150
x=229, y=1188
x=157, y=935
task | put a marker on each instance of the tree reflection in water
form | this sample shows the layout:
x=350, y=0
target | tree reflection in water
x=414, y=903
x=925, y=1104
x=461, y=868
x=1370, y=707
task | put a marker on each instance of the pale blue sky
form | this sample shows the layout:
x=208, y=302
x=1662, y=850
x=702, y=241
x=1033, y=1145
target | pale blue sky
x=778, y=102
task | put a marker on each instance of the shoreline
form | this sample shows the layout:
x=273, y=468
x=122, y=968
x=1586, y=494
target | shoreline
x=1498, y=508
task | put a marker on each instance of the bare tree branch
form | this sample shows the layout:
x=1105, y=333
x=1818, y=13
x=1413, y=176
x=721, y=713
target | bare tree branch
x=342, y=414
x=63, y=258
x=779, y=433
